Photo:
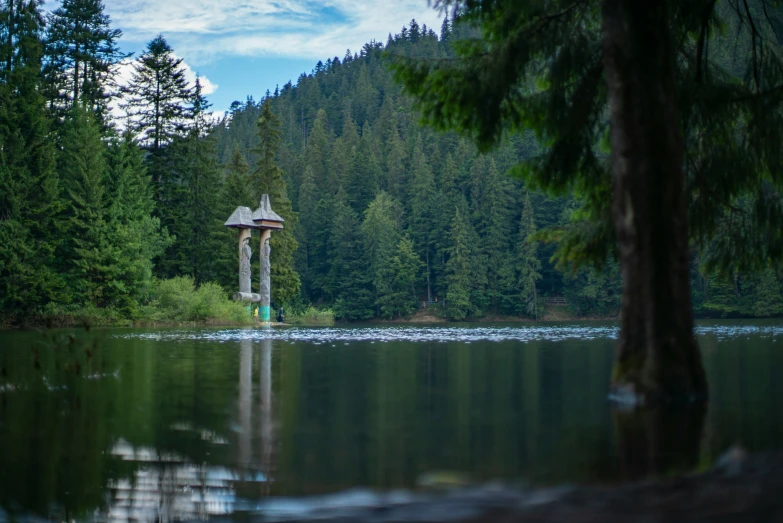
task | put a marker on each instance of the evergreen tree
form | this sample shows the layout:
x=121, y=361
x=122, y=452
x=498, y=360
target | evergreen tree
x=156, y=102
x=89, y=253
x=306, y=232
x=497, y=217
x=528, y=264
x=422, y=195
x=381, y=235
x=317, y=148
x=235, y=191
x=82, y=50
x=133, y=229
x=362, y=179
x=395, y=280
x=349, y=278
x=269, y=179
x=194, y=211
x=768, y=298
x=157, y=97
x=593, y=292
x=29, y=187
x=463, y=268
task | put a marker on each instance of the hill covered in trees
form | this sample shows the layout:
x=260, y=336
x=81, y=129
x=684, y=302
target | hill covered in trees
x=382, y=214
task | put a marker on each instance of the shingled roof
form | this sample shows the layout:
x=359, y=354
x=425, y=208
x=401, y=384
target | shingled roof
x=241, y=218
x=265, y=212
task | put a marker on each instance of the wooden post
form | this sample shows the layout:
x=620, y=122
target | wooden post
x=245, y=285
x=265, y=289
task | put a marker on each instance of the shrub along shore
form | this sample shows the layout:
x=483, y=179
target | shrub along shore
x=172, y=302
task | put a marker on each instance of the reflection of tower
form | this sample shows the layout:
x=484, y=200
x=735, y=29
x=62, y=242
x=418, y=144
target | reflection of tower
x=245, y=400
x=266, y=405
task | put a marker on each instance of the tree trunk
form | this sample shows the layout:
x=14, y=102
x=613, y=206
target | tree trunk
x=535, y=300
x=429, y=287
x=659, y=441
x=657, y=357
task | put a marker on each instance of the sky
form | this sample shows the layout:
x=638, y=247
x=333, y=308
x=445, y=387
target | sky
x=241, y=48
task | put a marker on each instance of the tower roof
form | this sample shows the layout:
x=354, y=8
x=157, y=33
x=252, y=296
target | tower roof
x=241, y=218
x=265, y=217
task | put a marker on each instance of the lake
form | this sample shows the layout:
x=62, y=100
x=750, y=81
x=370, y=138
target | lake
x=192, y=423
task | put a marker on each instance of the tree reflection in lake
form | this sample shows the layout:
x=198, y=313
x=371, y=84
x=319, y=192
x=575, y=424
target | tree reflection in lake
x=194, y=422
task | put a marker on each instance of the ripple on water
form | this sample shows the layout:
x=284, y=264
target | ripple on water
x=434, y=333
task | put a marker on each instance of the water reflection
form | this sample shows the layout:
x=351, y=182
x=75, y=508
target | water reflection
x=265, y=418
x=245, y=405
x=197, y=423
x=168, y=487
x=661, y=441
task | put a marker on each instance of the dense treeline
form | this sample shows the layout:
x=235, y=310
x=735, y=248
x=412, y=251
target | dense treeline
x=382, y=214
x=363, y=171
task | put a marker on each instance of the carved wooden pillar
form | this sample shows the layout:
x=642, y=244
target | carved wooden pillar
x=245, y=275
x=265, y=290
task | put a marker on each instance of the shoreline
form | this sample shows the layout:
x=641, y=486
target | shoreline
x=416, y=319
x=737, y=489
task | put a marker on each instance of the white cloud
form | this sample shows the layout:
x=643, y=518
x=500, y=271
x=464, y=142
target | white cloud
x=312, y=29
x=124, y=74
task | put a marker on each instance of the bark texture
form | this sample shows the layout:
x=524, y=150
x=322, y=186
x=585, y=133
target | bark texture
x=657, y=356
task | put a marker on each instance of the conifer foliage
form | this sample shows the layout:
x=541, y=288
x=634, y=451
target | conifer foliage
x=268, y=178
x=384, y=217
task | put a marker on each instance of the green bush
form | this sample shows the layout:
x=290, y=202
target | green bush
x=311, y=316
x=178, y=300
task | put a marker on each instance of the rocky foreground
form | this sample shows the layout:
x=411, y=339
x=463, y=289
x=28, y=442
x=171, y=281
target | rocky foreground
x=739, y=489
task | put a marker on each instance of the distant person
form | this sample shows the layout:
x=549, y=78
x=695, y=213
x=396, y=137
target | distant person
x=280, y=315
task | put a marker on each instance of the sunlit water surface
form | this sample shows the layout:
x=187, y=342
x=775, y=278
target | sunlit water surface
x=194, y=423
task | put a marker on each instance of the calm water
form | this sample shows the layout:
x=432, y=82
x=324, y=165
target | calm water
x=197, y=422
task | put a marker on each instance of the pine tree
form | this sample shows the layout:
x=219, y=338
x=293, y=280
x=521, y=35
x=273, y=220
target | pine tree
x=88, y=252
x=29, y=187
x=195, y=214
x=395, y=280
x=362, y=180
x=156, y=102
x=82, y=51
x=157, y=97
x=528, y=264
x=269, y=179
x=498, y=218
x=133, y=229
x=317, y=149
x=349, y=277
x=768, y=298
x=422, y=217
x=380, y=235
x=463, y=268
x=306, y=232
x=235, y=191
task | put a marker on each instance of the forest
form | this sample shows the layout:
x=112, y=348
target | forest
x=113, y=197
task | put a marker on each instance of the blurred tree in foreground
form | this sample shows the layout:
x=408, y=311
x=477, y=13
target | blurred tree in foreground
x=690, y=135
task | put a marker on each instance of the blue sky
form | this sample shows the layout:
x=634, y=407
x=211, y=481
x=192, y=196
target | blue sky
x=244, y=47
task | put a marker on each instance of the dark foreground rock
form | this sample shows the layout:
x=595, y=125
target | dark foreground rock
x=745, y=489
